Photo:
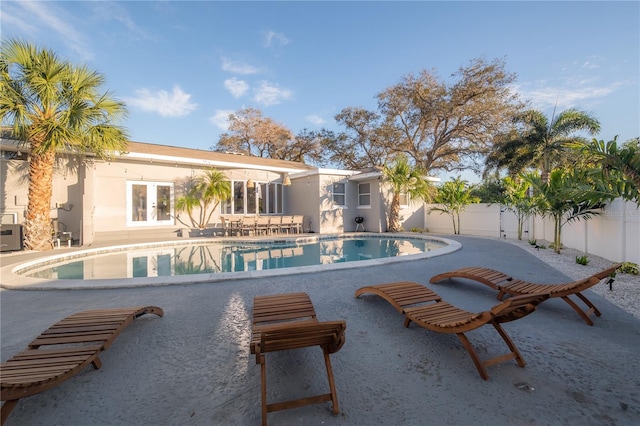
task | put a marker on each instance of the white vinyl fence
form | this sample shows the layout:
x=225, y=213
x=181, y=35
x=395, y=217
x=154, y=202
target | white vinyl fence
x=613, y=235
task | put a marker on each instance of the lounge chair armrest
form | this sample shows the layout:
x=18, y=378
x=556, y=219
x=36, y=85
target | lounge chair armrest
x=295, y=335
x=517, y=307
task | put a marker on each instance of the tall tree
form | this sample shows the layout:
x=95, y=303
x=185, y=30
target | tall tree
x=52, y=105
x=251, y=133
x=540, y=143
x=405, y=179
x=439, y=125
x=367, y=141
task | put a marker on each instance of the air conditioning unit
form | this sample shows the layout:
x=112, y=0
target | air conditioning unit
x=10, y=237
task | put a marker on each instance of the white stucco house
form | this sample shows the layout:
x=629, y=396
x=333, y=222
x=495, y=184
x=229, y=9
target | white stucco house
x=133, y=195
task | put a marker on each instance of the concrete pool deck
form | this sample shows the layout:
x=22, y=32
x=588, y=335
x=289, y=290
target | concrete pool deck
x=193, y=367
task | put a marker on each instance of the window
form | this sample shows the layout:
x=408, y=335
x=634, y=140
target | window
x=274, y=198
x=149, y=203
x=404, y=199
x=339, y=194
x=364, y=195
x=261, y=198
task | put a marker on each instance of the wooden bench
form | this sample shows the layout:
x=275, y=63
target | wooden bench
x=62, y=351
x=288, y=321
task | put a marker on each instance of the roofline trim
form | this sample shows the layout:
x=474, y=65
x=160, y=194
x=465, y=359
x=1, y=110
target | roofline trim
x=205, y=162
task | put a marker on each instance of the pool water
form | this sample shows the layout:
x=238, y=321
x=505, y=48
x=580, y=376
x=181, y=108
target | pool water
x=228, y=256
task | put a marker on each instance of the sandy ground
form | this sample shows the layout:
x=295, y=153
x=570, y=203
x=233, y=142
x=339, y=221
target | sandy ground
x=193, y=366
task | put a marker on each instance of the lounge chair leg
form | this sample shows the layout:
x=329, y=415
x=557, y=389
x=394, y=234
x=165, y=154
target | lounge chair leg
x=332, y=385
x=589, y=304
x=515, y=353
x=263, y=379
x=580, y=312
x=474, y=355
x=7, y=407
x=96, y=363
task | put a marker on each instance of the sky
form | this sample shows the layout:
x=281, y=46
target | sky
x=182, y=66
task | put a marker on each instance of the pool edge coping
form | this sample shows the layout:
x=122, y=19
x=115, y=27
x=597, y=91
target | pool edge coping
x=12, y=281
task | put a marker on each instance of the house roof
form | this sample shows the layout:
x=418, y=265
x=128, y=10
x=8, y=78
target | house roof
x=179, y=155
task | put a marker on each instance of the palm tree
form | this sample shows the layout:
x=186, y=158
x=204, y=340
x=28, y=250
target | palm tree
x=540, y=143
x=206, y=193
x=405, y=179
x=564, y=198
x=51, y=106
x=453, y=198
x=617, y=167
x=517, y=200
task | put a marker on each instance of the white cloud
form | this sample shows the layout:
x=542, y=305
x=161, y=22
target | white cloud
x=236, y=87
x=45, y=16
x=174, y=104
x=238, y=67
x=270, y=94
x=272, y=38
x=221, y=118
x=566, y=97
x=315, y=119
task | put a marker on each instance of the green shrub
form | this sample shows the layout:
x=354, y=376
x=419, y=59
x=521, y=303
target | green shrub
x=629, y=268
x=533, y=242
x=582, y=260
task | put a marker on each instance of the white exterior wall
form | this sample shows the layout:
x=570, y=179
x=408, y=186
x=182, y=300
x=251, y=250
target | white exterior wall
x=613, y=235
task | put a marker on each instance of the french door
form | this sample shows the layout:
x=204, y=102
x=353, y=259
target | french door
x=149, y=203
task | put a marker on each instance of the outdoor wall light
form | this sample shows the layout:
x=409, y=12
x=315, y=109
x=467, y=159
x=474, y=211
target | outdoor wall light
x=286, y=181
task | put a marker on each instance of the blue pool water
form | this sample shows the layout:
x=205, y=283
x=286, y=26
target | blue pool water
x=169, y=260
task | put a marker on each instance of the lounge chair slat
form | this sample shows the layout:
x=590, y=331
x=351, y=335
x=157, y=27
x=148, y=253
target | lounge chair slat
x=41, y=367
x=442, y=317
x=513, y=287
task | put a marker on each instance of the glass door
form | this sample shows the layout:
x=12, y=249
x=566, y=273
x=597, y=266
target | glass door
x=149, y=203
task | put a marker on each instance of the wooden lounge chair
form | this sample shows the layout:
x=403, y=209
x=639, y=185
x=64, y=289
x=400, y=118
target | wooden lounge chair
x=288, y=321
x=507, y=285
x=62, y=351
x=428, y=310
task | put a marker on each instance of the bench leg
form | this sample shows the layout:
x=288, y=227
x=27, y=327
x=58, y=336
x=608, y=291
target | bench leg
x=7, y=407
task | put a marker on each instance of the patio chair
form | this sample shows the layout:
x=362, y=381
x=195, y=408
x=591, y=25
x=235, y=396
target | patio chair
x=288, y=321
x=248, y=225
x=286, y=224
x=275, y=224
x=263, y=225
x=297, y=223
x=227, y=226
x=62, y=351
x=507, y=285
x=427, y=309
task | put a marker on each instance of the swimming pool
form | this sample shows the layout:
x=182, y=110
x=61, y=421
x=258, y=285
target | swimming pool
x=207, y=260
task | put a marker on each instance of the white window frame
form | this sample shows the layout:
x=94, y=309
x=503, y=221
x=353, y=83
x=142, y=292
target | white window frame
x=361, y=194
x=342, y=194
x=149, y=210
x=404, y=199
x=274, y=193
